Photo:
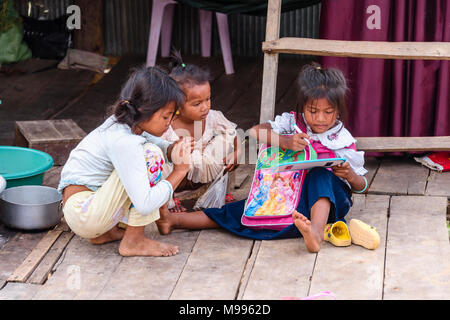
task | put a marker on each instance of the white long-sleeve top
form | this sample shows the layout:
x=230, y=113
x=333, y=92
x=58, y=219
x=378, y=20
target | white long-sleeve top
x=337, y=139
x=112, y=146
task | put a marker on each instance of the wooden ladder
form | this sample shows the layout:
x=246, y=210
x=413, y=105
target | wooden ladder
x=357, y=49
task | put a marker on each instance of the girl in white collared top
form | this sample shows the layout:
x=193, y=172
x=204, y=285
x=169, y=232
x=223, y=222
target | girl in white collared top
x=114, y=174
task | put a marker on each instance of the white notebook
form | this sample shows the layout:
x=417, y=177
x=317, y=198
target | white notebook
x=308, y=164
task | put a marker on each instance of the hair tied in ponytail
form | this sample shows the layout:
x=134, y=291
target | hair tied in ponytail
x=186, y=74
x=130, y=107
x=147, y=90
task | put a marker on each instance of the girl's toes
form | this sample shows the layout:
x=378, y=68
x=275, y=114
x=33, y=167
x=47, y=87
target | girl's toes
x=296, y=214
x=172, y=250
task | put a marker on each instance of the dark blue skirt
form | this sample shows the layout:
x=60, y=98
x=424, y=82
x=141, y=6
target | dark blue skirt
x=319, y=183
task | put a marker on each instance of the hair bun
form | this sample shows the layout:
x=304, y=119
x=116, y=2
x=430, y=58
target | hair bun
x=186, y=74
x=130, y=107
x=176, y=60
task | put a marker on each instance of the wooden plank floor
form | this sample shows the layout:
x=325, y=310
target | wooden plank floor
x=407, y=203
x=37, y=95
x=412, y=261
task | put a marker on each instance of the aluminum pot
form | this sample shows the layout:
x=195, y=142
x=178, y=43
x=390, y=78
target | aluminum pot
x=30, y=207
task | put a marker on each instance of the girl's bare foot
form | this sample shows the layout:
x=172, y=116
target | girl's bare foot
x=312, y=239
x=166, y=222
x=136, y=243
x=146, y=247
x=178, y=209
x=178, y=206
x=112, y=235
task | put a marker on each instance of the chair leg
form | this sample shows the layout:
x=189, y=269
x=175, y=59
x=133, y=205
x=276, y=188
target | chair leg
x=155, y=29
x=205, y=21
x=166, y=31
x=224, y=35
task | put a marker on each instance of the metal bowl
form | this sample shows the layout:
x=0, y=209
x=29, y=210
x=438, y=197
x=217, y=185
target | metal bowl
x=30, y=207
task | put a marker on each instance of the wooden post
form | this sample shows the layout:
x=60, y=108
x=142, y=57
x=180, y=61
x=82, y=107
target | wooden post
x=269, y=85
x=90, y=36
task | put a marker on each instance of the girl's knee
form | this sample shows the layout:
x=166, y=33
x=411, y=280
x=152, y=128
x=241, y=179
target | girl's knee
x=320, y=172
x=323, y=201
x=319, y=179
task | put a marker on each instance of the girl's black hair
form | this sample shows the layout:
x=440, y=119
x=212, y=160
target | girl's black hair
x=186, y=74
x=147, y=90
x=316, y=83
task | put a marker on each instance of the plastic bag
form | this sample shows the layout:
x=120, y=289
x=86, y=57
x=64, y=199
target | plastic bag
x=47, y=39
x=79, y=59
x=214, y=196
x=439, y=161
x=12, y=48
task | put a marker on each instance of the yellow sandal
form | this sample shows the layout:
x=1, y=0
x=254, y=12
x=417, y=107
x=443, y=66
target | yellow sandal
x=364, y=235
x=338, y=234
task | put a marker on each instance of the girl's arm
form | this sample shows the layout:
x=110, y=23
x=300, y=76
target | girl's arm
x=264, y=133
x=181, y=158
x=171, y=146
x=232, y=160
x=127, y=157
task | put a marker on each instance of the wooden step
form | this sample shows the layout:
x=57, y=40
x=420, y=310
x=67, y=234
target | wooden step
x=55, y=137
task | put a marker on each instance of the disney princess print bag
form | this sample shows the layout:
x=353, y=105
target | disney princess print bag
x=274, y=195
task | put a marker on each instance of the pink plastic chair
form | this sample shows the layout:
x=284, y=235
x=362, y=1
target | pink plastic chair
x=161, y=25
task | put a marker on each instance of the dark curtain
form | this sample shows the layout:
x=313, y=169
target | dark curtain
x=251, y=7
x=392, y=97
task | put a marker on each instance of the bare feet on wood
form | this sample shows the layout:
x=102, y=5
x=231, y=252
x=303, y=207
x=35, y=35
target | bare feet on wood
x=303, y=224
x=112, y=235
x=166, y=221
x=147, y=247
x=178, y=209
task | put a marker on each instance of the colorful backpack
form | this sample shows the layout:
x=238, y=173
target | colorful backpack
x=274, y=195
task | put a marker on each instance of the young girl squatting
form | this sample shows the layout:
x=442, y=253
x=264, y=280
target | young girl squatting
x=114, y=174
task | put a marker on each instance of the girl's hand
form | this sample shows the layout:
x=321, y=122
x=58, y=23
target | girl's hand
x=344, y=171
x=172, y=146
x=231, y=162
x=295, y=142
x=181, y=155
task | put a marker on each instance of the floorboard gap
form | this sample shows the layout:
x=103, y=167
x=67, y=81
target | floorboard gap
x=312, y=274
x=386, y=247
x=247, y=269
x=184, y=266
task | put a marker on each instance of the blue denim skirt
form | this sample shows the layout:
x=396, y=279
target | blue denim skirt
x=319, y=183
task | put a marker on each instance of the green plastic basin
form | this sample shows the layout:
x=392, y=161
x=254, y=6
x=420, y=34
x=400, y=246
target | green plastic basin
x=23, y=166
